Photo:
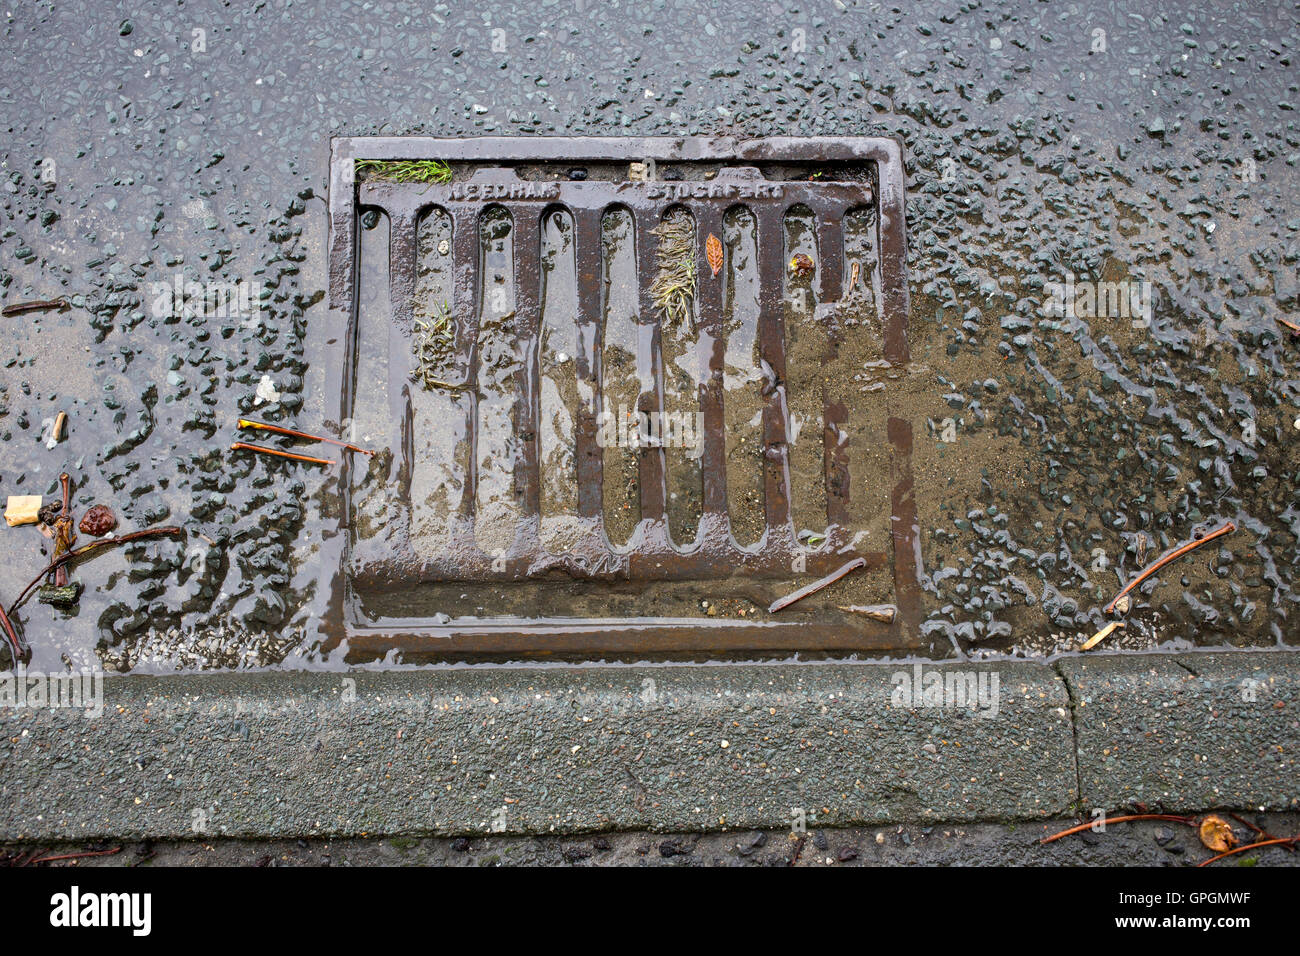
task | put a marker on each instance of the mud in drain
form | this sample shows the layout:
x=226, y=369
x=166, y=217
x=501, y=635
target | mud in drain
x=620, y=386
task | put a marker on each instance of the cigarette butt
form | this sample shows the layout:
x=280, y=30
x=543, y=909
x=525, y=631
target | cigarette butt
x=56, y=433
x=1100, y=635
x=22, y=509
x=885, y=613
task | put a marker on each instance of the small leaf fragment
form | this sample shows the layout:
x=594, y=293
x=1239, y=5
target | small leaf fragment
x=1217, y=835
x=713, y=253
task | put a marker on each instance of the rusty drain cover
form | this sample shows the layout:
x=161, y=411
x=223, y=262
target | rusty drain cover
x=619, y=380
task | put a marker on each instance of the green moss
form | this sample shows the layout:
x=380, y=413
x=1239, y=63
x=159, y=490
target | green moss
x=433, y=172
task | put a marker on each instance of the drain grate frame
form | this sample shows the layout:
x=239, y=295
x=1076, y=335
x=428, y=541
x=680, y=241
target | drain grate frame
x=654, y=558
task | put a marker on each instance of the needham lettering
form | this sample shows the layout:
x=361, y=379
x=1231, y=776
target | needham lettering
x=472, y=192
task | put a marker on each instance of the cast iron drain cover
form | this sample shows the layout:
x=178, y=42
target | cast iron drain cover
x=618, y=382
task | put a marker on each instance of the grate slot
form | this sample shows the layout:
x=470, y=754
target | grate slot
x=652, y=465
x=588, y=248
x=711, y=352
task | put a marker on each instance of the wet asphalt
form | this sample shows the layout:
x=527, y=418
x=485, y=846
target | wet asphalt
x=1114, y=142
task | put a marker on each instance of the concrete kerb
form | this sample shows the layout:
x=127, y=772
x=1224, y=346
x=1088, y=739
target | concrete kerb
x=540, y=750
x=1188, y=732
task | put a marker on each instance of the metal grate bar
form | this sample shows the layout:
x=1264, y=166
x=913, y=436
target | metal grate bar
x=526, y=242
x=771, y=336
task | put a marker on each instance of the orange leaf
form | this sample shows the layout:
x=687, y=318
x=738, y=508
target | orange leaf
x=713, y=253
x=1217, y=835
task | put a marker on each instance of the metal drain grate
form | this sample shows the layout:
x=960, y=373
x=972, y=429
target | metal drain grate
x=512, y=179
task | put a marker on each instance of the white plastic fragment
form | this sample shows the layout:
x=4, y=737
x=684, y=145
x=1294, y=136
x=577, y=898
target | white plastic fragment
x=266, y=391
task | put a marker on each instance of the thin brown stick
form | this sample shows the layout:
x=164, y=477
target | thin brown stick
x=15, y=645
x=1290, y=325
x=64, y=533
x=1189, y=821
x=1227, y=528
x=18, y=308
x=74, y=856
x=281, y=430
x=1263, y=833
x=245, y=446
x=76, y=553
x=817, y=585
x=1250, y=846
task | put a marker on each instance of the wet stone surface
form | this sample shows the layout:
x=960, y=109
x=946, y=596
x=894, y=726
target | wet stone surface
x=169, y=180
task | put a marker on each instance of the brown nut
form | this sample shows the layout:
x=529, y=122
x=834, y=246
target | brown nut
x=98, y=521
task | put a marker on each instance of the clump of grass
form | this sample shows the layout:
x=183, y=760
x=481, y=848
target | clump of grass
x=430, y=342
x=432, y=172
x=673, y=289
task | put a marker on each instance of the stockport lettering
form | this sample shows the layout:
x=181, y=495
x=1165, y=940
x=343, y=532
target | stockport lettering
x=713, y=190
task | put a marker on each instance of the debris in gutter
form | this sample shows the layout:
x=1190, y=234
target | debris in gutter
x=22, y=509
x=56, y=433
x=294, y=433
x=245, y=446
x=98, y=521
x=713, y=254
x=62, y=592
x=884, y=613
x=1227, y=528
x=674, y=286
x=77, y=553
x=16, y=649
x=1216, y=834
x=802, y=265
x=817, y=585
x=1100, y=636
x=44, y=305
